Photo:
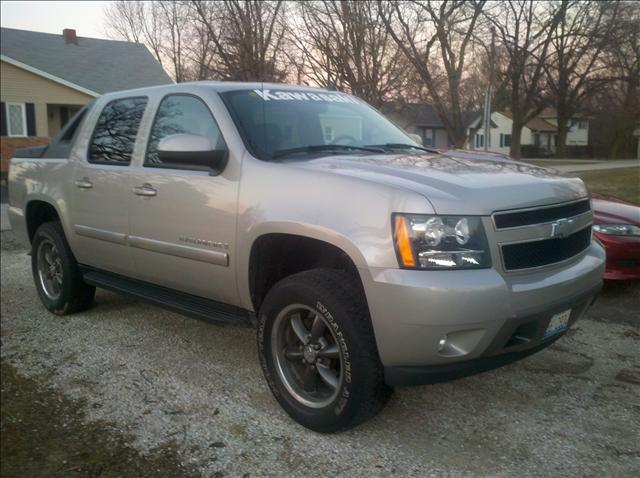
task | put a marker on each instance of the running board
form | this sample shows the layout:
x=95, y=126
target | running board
x=193, y=306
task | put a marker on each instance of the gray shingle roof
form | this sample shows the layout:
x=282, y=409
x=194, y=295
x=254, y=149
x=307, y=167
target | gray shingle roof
x=425, y=115
x=97, y=65
x=417, y=114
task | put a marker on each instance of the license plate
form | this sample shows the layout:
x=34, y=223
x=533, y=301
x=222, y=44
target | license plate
x=558, y=323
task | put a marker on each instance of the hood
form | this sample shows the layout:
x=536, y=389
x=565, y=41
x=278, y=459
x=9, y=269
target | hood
x=458, y=185
x=611, y=210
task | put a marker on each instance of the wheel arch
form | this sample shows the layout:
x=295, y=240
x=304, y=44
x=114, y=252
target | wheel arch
x=37, y=212
x=276, y=255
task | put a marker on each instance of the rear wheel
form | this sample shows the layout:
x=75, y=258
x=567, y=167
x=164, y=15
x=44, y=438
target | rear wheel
x=55, y=272
x=318, y=351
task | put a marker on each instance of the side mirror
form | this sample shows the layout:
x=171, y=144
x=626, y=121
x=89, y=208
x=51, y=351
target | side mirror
x=416, y=137
x=191, y=151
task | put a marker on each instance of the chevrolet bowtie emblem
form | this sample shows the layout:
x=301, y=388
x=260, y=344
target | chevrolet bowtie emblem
x=561, y=228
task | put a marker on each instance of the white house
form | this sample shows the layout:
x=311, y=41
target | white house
x=541, y=131
x=578, y=134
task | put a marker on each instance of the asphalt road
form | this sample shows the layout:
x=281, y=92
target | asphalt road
x=571, y=410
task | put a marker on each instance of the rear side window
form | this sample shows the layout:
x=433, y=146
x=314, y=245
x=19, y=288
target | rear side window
x=115, y=133
x=181, y=114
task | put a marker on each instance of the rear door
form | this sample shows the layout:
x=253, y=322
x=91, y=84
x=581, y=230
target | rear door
x=183, y=220
x=101, y=187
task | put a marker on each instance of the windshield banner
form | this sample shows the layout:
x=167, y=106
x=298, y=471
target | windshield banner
x=269, y=95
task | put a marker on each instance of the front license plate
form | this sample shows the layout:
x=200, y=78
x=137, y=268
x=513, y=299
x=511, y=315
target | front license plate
x=558, y=323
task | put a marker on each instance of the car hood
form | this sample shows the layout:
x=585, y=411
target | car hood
x=611, y=210
x=458, y=185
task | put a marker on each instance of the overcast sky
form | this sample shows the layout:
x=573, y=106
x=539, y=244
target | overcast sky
x=87, y=18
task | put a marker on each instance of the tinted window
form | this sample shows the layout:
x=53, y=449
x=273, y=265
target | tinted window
x=115, y=133
x=182, y=114
x=276, y=120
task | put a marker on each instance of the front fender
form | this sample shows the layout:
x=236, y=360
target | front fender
x=349, y=213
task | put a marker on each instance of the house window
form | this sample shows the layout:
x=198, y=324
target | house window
x=536, y=139
x=505, y=140
x=479, y=141
x=429, y=137
x=329, y=134
x=582, y=124
x=16, y=119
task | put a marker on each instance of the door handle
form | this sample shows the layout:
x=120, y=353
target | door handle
x=84, y=183
x=145, y=190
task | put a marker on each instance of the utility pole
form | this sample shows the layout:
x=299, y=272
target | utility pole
x=489, y=92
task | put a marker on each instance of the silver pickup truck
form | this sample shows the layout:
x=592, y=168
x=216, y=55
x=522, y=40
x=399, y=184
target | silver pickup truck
x=365, y=260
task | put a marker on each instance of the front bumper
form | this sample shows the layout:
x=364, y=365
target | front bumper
x=508, y=346
x=441, y=320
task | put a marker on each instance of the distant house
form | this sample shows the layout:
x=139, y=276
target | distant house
x=420, y=119
x=541, y=132
x=46, y=78
x=578, y=134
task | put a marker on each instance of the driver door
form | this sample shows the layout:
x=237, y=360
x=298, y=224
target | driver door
x=183, y=221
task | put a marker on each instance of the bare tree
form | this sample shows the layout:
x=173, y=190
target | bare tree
x=345, y=44
x=136, y=22
x=435, y=36
x=573, y=69
x=525, y=30
x=196, y=40
x=618, y=105
x=247, y=38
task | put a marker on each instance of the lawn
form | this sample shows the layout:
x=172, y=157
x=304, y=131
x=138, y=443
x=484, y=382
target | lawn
x=622, y=182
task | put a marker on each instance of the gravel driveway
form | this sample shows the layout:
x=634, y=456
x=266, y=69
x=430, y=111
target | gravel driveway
x=572, y=410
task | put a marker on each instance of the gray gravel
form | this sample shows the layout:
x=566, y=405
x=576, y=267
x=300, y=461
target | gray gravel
x=571, y=410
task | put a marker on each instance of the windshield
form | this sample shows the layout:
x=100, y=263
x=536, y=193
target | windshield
x=275, y=123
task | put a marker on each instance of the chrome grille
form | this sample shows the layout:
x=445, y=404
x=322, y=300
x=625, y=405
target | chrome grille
x=538, y=237
x=549, y=251
x=528, y=217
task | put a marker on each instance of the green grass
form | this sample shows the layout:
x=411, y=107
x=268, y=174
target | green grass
x=622, y=182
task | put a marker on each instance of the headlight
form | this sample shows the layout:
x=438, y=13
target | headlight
x=617, y=229
x=440, y=242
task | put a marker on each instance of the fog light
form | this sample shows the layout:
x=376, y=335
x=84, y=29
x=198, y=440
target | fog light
x=443, y=342
x=460, y=342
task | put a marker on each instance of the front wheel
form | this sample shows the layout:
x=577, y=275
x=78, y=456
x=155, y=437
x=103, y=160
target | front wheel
x=318, y=351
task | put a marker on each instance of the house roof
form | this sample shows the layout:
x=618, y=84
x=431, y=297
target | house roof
x=92, y=65
x=550, y=112
x=537, y=123
x=474, y=120
x=425, y=115
x=417, y=114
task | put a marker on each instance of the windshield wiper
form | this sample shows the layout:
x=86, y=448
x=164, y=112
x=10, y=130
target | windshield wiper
x=313, y=148
x=402, y=146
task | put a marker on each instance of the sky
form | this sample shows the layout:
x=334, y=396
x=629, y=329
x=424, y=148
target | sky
x=87, y=18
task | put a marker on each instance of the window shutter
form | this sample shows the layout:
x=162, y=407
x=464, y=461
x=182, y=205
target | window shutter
x=501, y=140
x=3, y=120
x=31, y=119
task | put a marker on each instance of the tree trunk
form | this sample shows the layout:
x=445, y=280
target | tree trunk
x=563, y=130
x=564, y=117
x=460, y=135
x=516, y=136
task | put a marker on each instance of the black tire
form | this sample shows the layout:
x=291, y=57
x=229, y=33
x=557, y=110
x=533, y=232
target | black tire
x=74, y=295
x=339, y=299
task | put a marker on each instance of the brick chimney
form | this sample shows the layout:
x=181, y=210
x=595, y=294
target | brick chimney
x=70, y=36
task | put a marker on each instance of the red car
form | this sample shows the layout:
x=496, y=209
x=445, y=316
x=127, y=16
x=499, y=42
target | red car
x=616, y=225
